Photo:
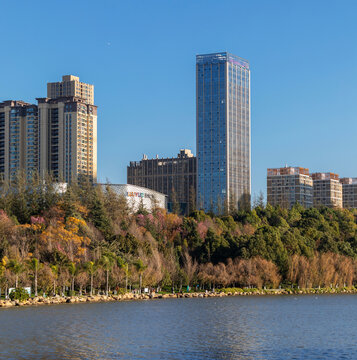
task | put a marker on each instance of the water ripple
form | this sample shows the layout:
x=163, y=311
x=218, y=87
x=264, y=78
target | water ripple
x=284, y=327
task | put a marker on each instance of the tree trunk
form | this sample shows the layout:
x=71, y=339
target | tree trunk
x=126, y=282
x=140, y=281
x=80, y=290
x=36, y=294
x=54, y=287
x=72, y=286
x=107, y=287
x=91, y=284
x=16, y=281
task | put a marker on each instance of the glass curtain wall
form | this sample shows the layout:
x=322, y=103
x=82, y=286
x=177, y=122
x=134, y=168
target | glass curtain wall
x=223, y=131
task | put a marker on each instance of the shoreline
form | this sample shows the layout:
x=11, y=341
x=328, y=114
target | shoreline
x=156, y=296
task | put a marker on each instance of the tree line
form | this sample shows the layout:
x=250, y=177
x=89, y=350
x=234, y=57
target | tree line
x=89, y=240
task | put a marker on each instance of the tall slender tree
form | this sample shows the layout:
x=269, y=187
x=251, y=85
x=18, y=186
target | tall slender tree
x=72, y=269
x=107, y=263
x=34, y=266
x=54, y=271
x=91, y=268
x=140, y=268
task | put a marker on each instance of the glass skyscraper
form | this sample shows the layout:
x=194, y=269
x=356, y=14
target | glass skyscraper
x=223, y=132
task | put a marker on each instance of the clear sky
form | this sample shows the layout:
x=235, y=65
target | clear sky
x=140, y=55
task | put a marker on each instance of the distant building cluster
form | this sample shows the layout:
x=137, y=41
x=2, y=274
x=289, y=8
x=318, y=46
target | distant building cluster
x=220, y=176
x=58, y=135
x=287, y=186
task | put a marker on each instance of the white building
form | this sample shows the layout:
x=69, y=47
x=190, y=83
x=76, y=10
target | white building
x=137, y=195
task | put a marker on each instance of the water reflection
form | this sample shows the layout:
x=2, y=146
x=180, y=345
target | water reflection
x=215, y=328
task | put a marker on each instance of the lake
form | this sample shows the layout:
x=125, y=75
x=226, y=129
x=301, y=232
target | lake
x=252, y=327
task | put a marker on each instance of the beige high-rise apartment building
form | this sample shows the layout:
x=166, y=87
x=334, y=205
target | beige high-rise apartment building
x=68, y=138
x=349, y=192
x=58, y=136
x=71, y=86
x=327, y=190
x=289, y=185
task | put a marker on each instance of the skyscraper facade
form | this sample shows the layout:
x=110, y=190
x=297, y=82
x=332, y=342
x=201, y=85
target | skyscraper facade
x=223, y=131
x=57, y=136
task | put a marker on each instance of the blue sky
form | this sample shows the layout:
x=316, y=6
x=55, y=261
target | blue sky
x=140, y=55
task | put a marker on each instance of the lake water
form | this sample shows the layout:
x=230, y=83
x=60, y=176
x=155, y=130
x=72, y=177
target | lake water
x=267, y=327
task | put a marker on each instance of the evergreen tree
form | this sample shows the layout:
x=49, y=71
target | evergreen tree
x=97, y=213
x=174, y=201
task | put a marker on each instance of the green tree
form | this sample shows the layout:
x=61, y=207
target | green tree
x=54, y=271
x=2, y=272
x=107, y=263
x=140, y=268
x=16, y=267
x=19, y=198
x=176, y=209
x=91, y=268
x=98, y=214
x=72, y=269
x=34, y=266
x=123, y=264
x=192, y=200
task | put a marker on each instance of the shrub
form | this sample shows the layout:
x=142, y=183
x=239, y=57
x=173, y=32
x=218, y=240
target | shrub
x=121, y=291
x=19, y=294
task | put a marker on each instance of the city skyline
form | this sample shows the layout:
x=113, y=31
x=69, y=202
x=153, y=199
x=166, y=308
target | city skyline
x=303, y=81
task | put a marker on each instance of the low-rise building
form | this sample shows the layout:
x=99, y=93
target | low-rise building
x=349, y=192
x=137, y=196
x=327, y=190
x=289, y=185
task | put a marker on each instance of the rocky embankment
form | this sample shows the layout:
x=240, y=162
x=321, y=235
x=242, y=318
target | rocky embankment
x=129, y=296
x=100, y=298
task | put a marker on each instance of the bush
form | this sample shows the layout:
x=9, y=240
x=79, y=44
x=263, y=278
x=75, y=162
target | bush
x=19, y=294
x=231, y=290
x=121, y=291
